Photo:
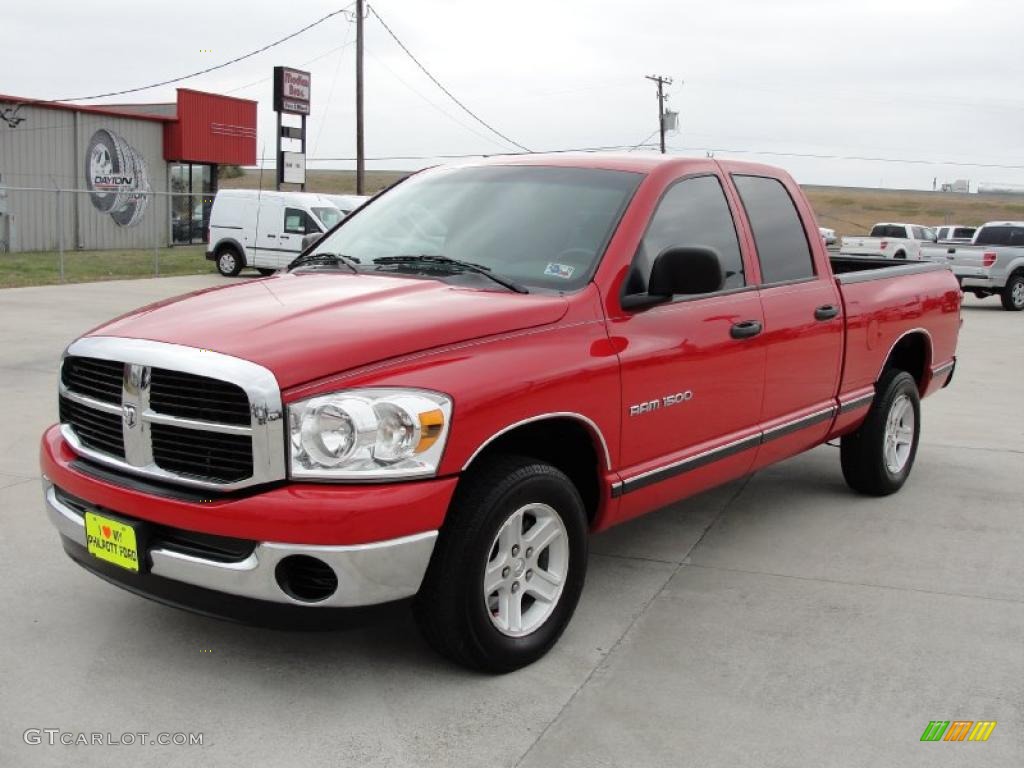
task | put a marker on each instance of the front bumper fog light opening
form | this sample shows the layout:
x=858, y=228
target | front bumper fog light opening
x=305, y=578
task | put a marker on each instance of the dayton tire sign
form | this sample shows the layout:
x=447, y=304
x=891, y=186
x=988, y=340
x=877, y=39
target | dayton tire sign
x=117, y=178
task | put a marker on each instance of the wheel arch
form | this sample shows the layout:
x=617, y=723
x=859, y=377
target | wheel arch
x=911, y=352
x=230, y=242
x=568, y=441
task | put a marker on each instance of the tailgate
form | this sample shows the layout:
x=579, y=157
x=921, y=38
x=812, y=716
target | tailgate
x=965, y=260
x=861, y=246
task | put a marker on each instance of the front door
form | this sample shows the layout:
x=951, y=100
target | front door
x=692, y=373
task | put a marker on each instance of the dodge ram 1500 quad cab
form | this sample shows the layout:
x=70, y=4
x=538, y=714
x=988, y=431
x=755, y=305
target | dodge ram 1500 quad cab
x=437, y=402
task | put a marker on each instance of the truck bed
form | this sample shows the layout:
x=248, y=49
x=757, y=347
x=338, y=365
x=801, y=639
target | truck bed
x=882, y=301
x=859, y=269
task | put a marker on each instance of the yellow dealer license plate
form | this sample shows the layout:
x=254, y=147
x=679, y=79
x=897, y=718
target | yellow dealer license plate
x=112, y=541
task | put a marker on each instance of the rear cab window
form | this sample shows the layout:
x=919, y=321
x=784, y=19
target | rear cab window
x=963, y=232
x=693, y=212
x=889, y=230
x=779, y=234
x=1000, y=235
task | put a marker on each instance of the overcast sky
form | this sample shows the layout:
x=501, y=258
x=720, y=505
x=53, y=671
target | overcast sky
x=901, y=79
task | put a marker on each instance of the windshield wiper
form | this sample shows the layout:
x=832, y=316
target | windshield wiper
x=328, y=259
x=466, y=266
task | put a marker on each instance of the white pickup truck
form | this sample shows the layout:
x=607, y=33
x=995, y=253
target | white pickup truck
x=993, y=264
x=893, y=241
x=955, y=233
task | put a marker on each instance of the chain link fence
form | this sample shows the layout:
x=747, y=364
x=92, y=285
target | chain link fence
x=78, y=235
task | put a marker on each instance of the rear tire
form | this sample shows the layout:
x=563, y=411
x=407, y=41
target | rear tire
x=878, y=457
x=900, y=255
x=229, y=261
x=508, y=567
x=265, y=272
x=1012, y=295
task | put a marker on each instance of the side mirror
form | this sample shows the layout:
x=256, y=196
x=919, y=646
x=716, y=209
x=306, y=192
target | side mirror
x=686, y=270
x=310, y=239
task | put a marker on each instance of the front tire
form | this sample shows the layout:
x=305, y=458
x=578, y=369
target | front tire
x=1013, y=294
x=508, y=568
x=229, y=262
x=878, y=457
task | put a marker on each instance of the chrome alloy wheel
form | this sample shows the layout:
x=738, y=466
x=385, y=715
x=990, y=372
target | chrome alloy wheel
x=1017, y=294
x=899, y=434
x=526, y=570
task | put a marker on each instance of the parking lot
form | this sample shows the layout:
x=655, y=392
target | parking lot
x=777, y=621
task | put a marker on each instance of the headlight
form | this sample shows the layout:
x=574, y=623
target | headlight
x=368, y=434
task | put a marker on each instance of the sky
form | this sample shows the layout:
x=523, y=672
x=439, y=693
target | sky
x=765, y=80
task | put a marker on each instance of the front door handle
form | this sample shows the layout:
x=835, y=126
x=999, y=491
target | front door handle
x=746, y=329
x=826, y=312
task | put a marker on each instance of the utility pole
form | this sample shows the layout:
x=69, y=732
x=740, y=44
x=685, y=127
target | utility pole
x=360, y=159
x=662, y=82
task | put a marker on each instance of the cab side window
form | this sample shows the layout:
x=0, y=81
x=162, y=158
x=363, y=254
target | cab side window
x=298, y=222
x=779, y=235
x=694, y=212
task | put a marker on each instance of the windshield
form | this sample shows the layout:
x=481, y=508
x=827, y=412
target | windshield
x=544, y=227
x=328, y=216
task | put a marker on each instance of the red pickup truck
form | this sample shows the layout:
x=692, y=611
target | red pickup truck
x=437, y=402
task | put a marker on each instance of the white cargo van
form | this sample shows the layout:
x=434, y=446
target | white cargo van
x=249, y=228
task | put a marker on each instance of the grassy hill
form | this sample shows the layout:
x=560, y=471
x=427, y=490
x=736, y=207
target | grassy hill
x=852, y=211
x=848, y=210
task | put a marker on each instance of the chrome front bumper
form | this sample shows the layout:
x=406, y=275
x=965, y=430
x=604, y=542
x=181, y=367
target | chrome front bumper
x=368, y=574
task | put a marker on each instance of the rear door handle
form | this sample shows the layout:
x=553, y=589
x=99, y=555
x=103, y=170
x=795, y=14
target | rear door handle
x=826, y=312
x=746, y=329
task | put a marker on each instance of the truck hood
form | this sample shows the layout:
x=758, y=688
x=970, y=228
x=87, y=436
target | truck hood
x=305, y=326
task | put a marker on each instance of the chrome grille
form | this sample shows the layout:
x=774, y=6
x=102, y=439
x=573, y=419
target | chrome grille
x=197, y=397
x=98, y=430
x=226, y=458
x=101, y=379
x=180, y=415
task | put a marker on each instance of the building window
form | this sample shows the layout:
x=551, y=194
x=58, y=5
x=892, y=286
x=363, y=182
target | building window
x=193, y=186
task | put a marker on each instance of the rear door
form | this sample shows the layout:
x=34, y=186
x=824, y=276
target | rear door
x=268, y=227
x=691, y=386
x=803, y=327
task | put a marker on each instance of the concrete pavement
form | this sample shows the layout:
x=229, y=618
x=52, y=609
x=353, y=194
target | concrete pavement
x=777, y=621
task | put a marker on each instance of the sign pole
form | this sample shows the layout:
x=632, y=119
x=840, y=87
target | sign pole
x=360, y=154
x=303, y=150
x=280, y=156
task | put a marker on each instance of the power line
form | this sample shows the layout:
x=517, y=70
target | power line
x=330, y=94
x=315, y=59
x=448, y=93
x=644, y=140
x=235, y=60
x=441, y=110
x=608, y=148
